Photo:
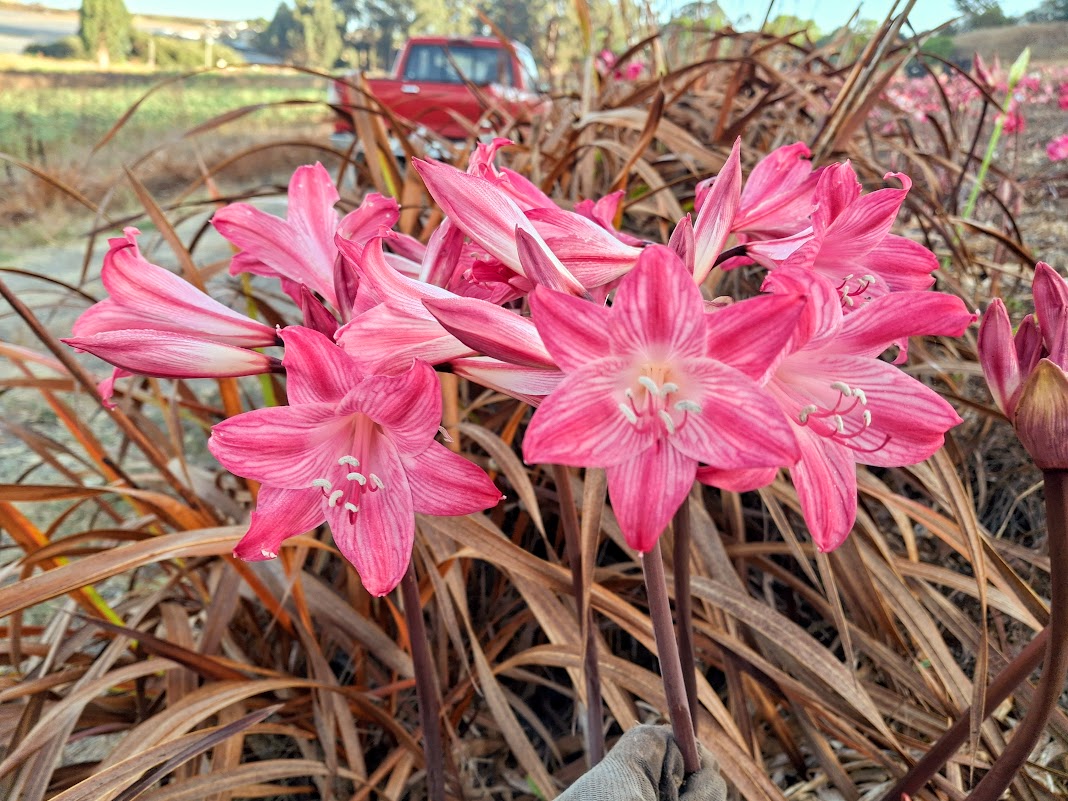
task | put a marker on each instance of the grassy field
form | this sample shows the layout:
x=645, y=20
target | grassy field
x=60, y=118
x=171, y=125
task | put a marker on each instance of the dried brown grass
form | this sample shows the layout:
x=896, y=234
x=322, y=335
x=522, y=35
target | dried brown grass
x=142, y=660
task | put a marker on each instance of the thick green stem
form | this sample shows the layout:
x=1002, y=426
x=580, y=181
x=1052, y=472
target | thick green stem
x=668, y=653
x=684, y=604
x=1016, y=671
x=1055, y=667
x=426, y=687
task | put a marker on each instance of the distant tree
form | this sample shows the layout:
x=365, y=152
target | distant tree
x=788, y=23
x=981, y=14
x=320, y=26
x=521, y=20
x=284, y=35
x=1048, y=11
x=104, y=28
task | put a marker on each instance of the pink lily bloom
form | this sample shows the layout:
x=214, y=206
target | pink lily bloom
x=845, y=405
x=142, y=295
x=850, y=241
x=1057, y=149
x=156, y=323
x=1028, y=373
x=488, y=216
x=354, y=450
x=300, y=249
x=642, y=397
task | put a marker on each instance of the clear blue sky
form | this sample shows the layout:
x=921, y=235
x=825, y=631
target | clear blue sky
x=828, y=14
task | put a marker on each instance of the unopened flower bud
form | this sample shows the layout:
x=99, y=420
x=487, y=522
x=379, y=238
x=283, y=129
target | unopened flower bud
x=1042, y=416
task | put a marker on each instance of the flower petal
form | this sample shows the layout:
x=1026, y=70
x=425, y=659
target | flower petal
x=580, y=424
x=658, y=309
x=528, y=384
x=408, y=406
x=384, y=340
x=738, y=426
x=317, y=370
x=716, y=216
x=491, y=330
x=737, y=480
x=445, y=483
x=282, y=446
x=279, y=514
x=144, y=295
x=574, y=331
x=880, y=323
x=647, y=490
x=752, y=336
x=997, y=356
x=377, y=539
x=166, y=355
x=1051, y=309
x=826, y=484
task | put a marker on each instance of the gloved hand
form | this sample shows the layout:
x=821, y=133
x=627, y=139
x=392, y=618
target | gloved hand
x=646, y=765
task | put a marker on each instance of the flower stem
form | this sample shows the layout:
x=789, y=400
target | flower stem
x=426, y=687
x=1055, y=667
x=1016, y=671
x=684, y=604
x=590, y=669
x=668, y=653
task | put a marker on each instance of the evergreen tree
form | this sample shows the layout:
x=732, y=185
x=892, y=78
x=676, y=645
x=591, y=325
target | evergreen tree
x=283, y=37
x=321, y=28
x=104, y=28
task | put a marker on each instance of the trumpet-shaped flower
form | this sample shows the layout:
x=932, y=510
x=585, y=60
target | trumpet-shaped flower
x=353, y=450
x=1028, y=373
x=642, y=398
x=845, y=405
x=155, y=323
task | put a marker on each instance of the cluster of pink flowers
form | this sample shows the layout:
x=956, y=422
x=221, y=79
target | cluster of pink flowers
x=607, y=63
x=1057, y=149
x=921, y=98
x=609, y=336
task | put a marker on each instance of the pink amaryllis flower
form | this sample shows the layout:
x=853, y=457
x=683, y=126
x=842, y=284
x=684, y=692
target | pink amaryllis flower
x=354, y=450
x=845, y=405
x=642, y=398
x=155, y=323
x=850, y=241
x=1028, y=373
x=1057, y=149
x=300, y=249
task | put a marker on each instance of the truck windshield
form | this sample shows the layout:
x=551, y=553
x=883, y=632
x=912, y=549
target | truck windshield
x=480, y=65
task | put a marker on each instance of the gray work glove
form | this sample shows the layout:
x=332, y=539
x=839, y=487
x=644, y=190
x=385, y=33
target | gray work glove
x=646, y=765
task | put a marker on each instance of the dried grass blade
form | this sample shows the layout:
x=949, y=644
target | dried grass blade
x=94, y=569
x=166, y=230
x=512, y=468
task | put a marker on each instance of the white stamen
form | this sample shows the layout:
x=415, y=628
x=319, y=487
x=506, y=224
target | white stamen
x=351, y=507
x=848, y=300
x=628, y=412
x=628, y=393
x=842, y=387
x=861, y=396
x=357, y=477
x=325, y=483
x=349, y=460
x=268, y=554
x=804, y=413
x=669, y=424
x=839, y=423
x=867, y=418
x=649, y=384
x=377, y=481
x=335, y=496
x=868, y=279
x=669, y=387
x=444, y=434
x=688, y=406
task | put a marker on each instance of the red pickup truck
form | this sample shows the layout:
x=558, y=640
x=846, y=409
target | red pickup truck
x=438, y=79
